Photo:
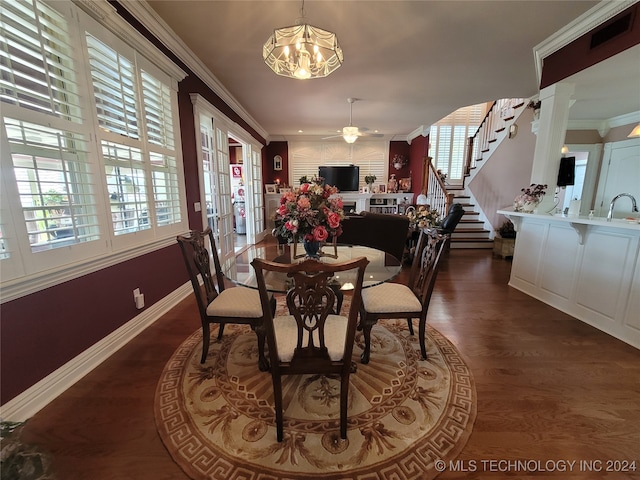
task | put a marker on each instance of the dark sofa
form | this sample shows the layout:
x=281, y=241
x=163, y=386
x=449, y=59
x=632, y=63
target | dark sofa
x=386, y=232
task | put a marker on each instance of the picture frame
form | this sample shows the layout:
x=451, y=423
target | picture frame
x=277, y=162
x=285, y=190
x=382, y=188
x=405, y=184
x=270, y=188
x=364, y=189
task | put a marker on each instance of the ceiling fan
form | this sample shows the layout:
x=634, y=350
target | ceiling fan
x=351, y=133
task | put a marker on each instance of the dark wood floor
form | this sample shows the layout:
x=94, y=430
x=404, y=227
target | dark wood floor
x=550, y=389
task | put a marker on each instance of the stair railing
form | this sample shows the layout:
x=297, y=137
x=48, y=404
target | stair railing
x=496, y=120
x=435, y=190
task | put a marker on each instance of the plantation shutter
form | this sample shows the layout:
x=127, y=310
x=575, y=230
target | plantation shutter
x=48, y=167
x=114, y=89
x=448, y=139
x=36, y=60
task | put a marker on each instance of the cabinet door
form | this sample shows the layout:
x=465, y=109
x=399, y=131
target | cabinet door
x=620, y=174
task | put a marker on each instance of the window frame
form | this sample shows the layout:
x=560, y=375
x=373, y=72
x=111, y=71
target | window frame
x=24, y=272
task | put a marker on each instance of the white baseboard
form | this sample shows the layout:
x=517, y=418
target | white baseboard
x=36, y=397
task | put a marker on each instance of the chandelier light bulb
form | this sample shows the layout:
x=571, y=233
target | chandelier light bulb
x=317, y=52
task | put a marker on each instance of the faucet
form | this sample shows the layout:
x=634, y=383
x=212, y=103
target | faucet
x=634, y=207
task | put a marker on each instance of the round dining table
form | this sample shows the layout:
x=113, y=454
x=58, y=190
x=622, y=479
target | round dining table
x=382, y=266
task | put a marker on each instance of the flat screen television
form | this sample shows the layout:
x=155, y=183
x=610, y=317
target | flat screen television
x=567, y=171
x=346, y=178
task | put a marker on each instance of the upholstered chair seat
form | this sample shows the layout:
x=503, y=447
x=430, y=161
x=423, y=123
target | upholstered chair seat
x=236, y=302
x=390, y=297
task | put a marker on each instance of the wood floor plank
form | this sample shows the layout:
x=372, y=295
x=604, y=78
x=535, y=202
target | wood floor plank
x=549, y=387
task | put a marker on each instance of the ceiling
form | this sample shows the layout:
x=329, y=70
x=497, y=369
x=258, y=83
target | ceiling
x=409, y=63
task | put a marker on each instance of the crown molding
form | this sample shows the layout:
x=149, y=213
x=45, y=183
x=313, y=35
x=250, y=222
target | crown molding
x=152, y=21
x=422, y=130
x=604, y=126
x=106, y=14
x=581, y=25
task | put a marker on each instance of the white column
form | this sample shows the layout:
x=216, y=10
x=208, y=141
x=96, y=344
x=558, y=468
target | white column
x=552, y=127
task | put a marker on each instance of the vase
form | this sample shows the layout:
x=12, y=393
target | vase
x=311, y=248
x=526, y=207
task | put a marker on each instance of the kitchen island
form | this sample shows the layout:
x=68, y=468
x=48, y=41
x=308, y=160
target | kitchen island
x=586, y=267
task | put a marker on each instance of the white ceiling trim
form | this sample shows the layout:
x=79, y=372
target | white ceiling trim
x=147, y=16
x=580, y=26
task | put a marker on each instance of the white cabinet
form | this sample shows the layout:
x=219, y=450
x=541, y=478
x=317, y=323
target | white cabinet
x=395, y=203
x=588, y=268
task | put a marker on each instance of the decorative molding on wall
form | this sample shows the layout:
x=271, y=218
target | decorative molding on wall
x=580, y=26
x=603, y=126
x=147, y=16
x=27, y=285
x=106, y=15
x=36, y=397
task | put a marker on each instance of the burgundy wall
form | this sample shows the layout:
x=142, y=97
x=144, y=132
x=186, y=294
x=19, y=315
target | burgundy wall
x=578, y=55
x=269, y=175
x=403, y=149
x=418, y=151
x=43, y=331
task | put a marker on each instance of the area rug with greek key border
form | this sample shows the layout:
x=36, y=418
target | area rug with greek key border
x=217, y=419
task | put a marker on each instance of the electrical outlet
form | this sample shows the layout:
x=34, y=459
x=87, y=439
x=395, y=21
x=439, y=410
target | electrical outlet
x=136, y=293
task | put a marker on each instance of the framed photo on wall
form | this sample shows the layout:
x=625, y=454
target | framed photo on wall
x=277, y=162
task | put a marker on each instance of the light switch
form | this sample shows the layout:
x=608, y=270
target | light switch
x=197, y=207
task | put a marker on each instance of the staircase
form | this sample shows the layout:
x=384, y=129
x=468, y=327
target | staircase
x=471, y=231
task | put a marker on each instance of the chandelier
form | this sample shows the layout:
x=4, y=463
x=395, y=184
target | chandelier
x=302, y=51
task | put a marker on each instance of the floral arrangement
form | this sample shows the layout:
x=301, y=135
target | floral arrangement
x=307, y=212
x=507, y=230
x=423, y=217
x=369, y=179
x=530, y=197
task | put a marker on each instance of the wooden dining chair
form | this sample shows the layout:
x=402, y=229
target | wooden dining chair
x=221, y=305
x=310, y=339
x=396, y=300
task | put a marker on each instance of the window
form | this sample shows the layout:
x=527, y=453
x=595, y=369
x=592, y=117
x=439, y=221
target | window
x=54, y=184
x=89, y=128
x=448, y=139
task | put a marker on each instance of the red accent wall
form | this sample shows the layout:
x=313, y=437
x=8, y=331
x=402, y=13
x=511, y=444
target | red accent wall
x=403, y=149
x=578, y=55
x=419, y=149
x=43, y=331
x=269, y=175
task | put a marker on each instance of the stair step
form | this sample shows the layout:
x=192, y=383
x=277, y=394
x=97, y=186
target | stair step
x=470, y=235
x=467, y=243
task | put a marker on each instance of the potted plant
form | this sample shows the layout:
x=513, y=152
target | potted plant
x=530, y=197
x=505, y=240
x=369, y=179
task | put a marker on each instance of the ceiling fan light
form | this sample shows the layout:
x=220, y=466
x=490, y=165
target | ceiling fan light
x=350, y=134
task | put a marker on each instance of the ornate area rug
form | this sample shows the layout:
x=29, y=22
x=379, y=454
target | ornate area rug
x=217, y=419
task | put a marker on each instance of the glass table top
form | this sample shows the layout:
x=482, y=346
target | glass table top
x=382, y=266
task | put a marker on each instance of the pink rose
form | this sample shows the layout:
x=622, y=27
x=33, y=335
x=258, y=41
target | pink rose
x=333, y=219
x=304, y=188
x=282, y=210
x=304, y=203
x=320, y=233
x=292, y=226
